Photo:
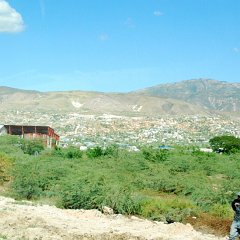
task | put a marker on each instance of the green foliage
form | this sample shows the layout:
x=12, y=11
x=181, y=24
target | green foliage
x=177, y=183
x=33, y=179
x=111, y=151
x=169, y=209
x=97, y=193
x=32, y=147
x=223, y=211
x=10, y=145
x=70, y=152
x=155, y=155
x=95, y=152
x=228, y=144
x=121, y=200
x=73, y=152
x=5, y=164
x=82, y=194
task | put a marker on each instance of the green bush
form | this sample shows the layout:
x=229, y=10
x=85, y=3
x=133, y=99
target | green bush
x=197, y=180
x=32, y=147
x=81, y=194
x=70, y=152
x=95, y=152
x=26, y=185
x=5, y=165
x=97, y=193
x=169, y=209
x=155, y=155
x=73, y=152
x=121, y=200
x=111, y=151
x=34, y=179
x=227, y=144
x=223, y=211
x=10, y=145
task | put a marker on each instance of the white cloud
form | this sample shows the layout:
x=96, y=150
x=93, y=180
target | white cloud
x=103, y=37
x=10, y=19
x=157, y=13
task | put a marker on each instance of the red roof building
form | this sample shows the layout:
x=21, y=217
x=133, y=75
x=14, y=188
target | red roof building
x=46, y=133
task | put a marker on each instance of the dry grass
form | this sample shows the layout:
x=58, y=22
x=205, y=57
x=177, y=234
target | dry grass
x=210, y=224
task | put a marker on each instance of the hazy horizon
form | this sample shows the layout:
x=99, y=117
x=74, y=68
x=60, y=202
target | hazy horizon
x=50, y=45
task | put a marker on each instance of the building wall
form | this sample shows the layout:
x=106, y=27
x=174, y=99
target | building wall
x=47, y=140
x=47, y=134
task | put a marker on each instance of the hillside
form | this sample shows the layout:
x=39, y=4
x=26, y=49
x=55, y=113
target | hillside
x=93, y=103
x=198, y=96
x=207, y=93
x=25, y=220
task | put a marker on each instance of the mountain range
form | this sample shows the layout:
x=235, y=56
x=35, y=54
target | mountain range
x=196, y=96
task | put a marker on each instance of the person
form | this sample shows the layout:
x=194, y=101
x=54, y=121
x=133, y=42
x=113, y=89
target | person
x=235, y=227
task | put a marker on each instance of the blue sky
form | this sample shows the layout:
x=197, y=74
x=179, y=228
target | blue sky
x=117, y=46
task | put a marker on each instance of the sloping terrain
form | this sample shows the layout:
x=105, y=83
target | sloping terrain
x=208, y=93
x=191, y=97
x=94, y=103
x=24, y=220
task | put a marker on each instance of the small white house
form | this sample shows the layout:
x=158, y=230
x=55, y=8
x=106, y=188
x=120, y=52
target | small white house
x=3, y=130
x=207, y=150
x=83, y=148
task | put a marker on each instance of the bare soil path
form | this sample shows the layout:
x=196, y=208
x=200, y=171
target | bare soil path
x=28, y=221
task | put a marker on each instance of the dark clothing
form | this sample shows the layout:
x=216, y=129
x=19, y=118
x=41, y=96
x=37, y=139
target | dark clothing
x=237, y=200
x=235, y=227
x=236, y=209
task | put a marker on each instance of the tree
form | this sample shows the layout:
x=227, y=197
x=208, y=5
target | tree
x=227, y=144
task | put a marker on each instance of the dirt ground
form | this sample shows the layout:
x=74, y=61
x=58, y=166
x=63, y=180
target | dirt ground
x=29, y=221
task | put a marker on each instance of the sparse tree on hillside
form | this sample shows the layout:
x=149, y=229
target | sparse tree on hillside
x=228, y=144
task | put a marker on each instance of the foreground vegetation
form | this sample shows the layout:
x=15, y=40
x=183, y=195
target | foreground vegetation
x=166, y=185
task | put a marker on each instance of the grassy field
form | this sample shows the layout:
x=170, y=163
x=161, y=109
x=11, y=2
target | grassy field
x=182, y=184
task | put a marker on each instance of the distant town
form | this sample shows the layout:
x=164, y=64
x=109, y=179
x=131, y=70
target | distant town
x=87, y=131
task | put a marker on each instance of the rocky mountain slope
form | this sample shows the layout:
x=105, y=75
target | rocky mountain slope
x=199, y=96
x=93, y=103
x=28, y=221
x=207, y=93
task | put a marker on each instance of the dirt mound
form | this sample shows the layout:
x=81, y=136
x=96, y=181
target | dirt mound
x=25, y=220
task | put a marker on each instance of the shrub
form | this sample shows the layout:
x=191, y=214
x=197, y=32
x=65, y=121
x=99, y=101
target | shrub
x=95, y=152
x=26, y=185
x=88, y=193
x=70, y=152
x=5, y=164
x=155, y=155
x=223, y=211
x=10, y=144
x=33, y=179
x=32, y=147
x=73, y=152
x=82, y=193
x=115, y=179
x=121, y=200
x=228, y=144
x=167, y=209
x=111, y=151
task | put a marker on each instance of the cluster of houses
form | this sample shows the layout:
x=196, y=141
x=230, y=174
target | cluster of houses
x=50, y=138
x=45, y=133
